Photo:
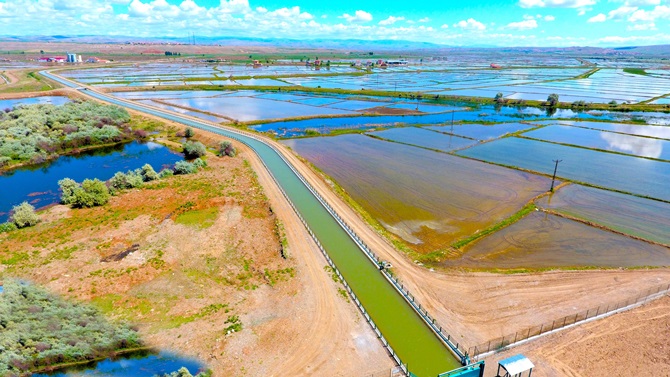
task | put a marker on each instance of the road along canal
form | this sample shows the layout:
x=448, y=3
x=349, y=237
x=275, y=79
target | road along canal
x=412, y=339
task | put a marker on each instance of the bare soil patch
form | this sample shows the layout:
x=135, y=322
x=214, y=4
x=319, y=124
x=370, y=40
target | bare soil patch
x=220, y=292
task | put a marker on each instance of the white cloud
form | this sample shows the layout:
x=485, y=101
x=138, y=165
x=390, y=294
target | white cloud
x=360, y=16
x=470, y=24
x=555, y=3
x=621, y=12
x=261, y=10
x=444, y=26
x=391, y=20
x=598, y=18
x=549, y=18
x=425, y=19
x=523, y=25
x=659, y=12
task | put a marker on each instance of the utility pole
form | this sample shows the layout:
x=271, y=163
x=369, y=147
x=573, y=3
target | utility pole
x=452, y=121
x=554, y=177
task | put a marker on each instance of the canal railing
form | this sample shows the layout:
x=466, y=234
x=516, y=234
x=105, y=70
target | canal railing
x=455, y=348
x=526, y=335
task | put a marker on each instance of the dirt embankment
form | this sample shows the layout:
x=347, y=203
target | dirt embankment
x=204, y=275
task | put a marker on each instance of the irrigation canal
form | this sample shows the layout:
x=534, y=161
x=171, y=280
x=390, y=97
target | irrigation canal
x=413, y=342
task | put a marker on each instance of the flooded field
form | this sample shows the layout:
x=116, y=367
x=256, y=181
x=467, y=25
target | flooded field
x=428, y=199
x=425, y=138
x=624, y=173
x=546, y=241
x=645, y=218
x=482, y=131
x=605, y=140
x=654, y=131
x=604, y=86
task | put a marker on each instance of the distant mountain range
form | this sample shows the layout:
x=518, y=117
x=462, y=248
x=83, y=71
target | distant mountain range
x=337, y=44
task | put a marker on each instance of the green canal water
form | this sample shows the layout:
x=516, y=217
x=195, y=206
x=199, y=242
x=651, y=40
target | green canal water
x=412, y=340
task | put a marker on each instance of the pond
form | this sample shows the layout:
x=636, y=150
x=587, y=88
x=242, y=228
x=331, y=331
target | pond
x=54, y=100
x=139, y=364
x=38, y=184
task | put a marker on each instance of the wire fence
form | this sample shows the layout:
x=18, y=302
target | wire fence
x=502, y=343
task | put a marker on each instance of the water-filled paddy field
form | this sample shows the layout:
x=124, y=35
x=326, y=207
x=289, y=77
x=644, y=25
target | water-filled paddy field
x=654, y=131
x=605, y=140
x=542, y=240
x=425, y=138
x=38, y=184
x=619, y=172
x=482, y=131
x=427, y=198
x=645, y=218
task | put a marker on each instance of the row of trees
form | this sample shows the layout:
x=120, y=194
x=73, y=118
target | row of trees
x=552, y=100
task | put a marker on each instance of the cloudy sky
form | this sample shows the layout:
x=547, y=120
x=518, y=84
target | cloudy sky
x=477, y=22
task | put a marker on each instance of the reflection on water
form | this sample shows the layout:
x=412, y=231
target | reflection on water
x=38, y=184
x=138, y=364
x=639, y=146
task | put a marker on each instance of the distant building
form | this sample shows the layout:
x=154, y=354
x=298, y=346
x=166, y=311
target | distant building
x=71, y=58
x=495, y=66
x=96, y=60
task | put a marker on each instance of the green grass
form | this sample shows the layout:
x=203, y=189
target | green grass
x=636, y=71
x=528, y=208
x=202, y=219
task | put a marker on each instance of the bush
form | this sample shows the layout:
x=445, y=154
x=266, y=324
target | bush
x=199, y=163
x=166, y=173
x=226, y=148
x=552, y=100
x=148, y=173
x=23, y=215
x=7, y=227
x=91, y=193
x=184, y=167
x=194, y=149
x=188, y=132
x=67, y=188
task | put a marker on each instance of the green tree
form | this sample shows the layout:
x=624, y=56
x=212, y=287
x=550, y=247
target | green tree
x=552, y=100
x=189, y=133
x=23, y=215
x=499, y=97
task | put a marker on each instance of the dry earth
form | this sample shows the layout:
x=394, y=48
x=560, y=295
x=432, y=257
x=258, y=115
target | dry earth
x=633, y=343
x=185, y=283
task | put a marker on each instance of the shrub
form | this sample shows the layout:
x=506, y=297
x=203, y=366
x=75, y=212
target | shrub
x=91, y=193
x=199, y=163
x=188, y=132
x=184, y=167
x=23, y=215
x=166, y=173
x=226, y=148
x=148, y=173
x=7, y=227
x=194, y=149
x=67, y=188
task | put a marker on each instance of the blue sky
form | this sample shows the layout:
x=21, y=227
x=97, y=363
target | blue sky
x=487, y=22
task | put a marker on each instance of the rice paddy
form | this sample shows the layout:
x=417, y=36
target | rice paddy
x=426, y=198
x=639, y=217
x=542, y=241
